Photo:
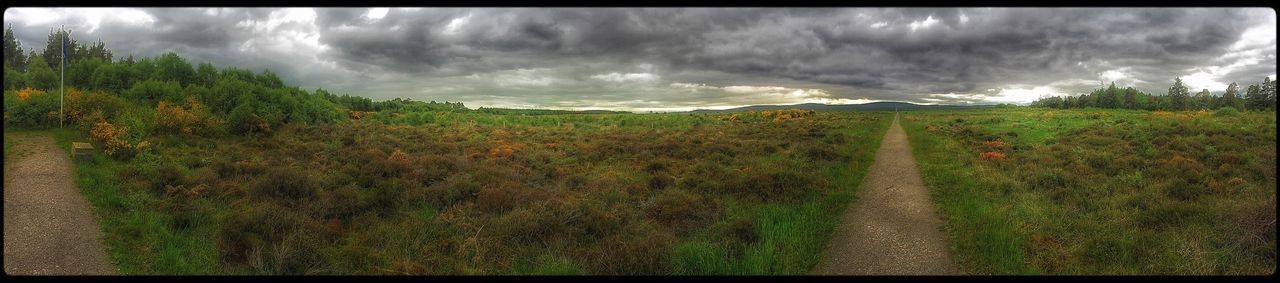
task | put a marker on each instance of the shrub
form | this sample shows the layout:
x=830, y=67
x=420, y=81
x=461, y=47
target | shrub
x=244, y=120
x=285, y=183
x=504, y=149
x=640, y=250
x=165, y=176
x=152, y=91
x=1226, y=112
x=113, y=141
x=31, y=108
x=992, y=155
x=272, y=239
x=661, y=180
x=454, y=189
x=86, y=108
x=194, y=118
x=680, y=210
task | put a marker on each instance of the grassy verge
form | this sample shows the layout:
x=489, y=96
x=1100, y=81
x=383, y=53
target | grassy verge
x=137, y=237
x=985, y=239
x=792, y=236
x=1093, y=191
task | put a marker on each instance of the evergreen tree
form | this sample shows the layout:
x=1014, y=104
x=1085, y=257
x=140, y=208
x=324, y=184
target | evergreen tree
x=1110, y=98
x=1268, y=91
x=1202, y=100
x=13, y=56
x=1130, y=100
x=1229, y=98
x=53, y=48
x=1178, y=94
x=1253, y=98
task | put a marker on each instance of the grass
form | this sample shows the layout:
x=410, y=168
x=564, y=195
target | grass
x=132, y=229
x=1096, y=191
x=473, y=193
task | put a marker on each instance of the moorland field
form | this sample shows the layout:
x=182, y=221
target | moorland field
x=199, y=170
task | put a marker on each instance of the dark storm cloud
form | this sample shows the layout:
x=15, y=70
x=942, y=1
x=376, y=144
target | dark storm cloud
x=591, y=56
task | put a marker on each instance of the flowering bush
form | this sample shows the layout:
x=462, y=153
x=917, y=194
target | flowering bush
x=31, y=107
x=504, y=149
x=26, y=94
x=112, y=140
x=194, y=118
x=86, y=108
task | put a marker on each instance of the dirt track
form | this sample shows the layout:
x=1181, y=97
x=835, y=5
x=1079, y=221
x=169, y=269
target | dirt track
x=49, y=228
x=891, y=229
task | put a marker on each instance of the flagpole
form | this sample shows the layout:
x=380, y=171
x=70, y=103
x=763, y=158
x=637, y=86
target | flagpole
x=62, y=83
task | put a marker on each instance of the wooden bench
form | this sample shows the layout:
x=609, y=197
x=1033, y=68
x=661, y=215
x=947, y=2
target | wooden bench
x=82, y=150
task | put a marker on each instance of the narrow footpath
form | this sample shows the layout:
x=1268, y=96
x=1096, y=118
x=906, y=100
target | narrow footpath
x=49, y=228
x=891, y=229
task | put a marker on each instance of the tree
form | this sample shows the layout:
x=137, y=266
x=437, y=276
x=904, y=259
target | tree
x=80, y=73
x=206, y=74
x=1178, y=94
x=53, y=48
x=1268, y=91
x=171, y=67
x=1254, y=99
x=1231, y=97
x=13, y=56
x=1130, y=99
x=153, y=91
x=39, y=75
x=14, y=79
x=99, y=51
x=1110, y=98
x=113, y=78
x=1202, y=100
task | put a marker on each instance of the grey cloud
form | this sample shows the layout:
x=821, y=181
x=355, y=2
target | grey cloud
x=863, y=53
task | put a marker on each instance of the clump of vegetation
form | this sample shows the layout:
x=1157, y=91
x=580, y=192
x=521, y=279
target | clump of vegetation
x=114, y=141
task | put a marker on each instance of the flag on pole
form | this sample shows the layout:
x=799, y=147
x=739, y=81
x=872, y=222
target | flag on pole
x=64, y=48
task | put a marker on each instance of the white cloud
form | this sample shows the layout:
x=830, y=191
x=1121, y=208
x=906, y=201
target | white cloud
x=93, y=17
x=628, y=77
x=376, y=13
x=523, y=77
x=879, y=25
x=1203, y=80
x=456, y=23
x=1018, y=94
x=928, y=22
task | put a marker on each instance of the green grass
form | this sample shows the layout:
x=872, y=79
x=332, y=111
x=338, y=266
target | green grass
x=984, y=237
x=1095, y=191
x=793, y=236
x=136, y=236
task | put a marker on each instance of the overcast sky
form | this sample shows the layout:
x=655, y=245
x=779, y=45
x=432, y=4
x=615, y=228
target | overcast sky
x=683, y=58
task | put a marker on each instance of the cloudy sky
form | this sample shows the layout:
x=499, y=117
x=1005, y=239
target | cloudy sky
x=683, y=58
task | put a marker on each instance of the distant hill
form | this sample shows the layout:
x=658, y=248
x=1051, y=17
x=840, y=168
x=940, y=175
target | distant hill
x=865, y=106
x=542, y=111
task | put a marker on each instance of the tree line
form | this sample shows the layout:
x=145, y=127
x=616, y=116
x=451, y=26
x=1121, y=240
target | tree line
x=247, y=100
x=1258, y=97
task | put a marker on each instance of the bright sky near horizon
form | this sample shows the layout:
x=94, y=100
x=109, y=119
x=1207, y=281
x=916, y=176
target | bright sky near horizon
x=685, y=58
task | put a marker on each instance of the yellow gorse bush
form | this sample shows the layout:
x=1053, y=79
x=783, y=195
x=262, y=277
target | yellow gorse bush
x=27, y=93
x=110, y=137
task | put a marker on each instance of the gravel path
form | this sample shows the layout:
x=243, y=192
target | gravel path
x=48, y=227
x=892, y=228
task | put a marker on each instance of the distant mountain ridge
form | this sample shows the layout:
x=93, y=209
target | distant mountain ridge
x=884, y=105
